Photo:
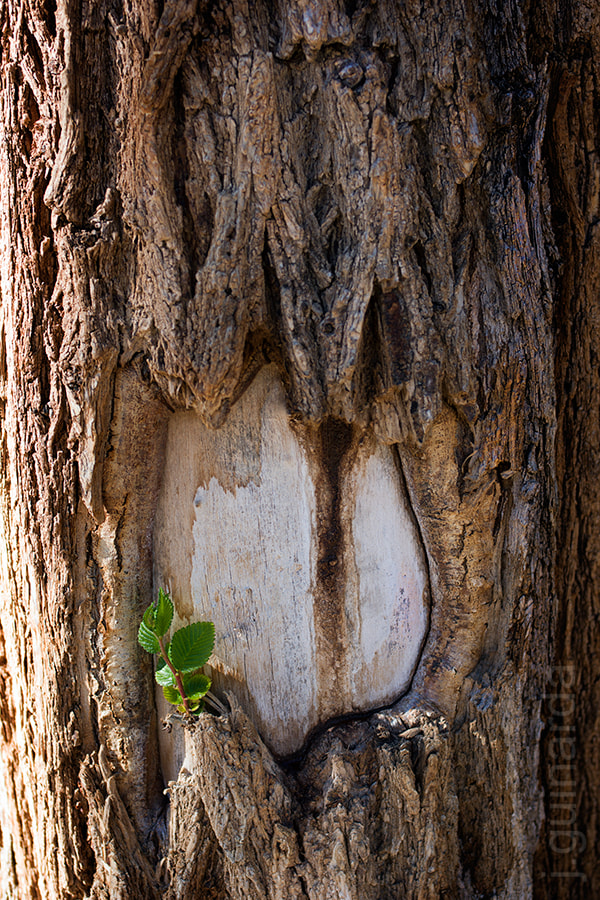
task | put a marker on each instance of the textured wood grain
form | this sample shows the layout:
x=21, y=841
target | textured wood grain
x=393, y=206
x=571, y=839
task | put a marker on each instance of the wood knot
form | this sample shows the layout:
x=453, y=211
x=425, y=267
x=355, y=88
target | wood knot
x=350, y=73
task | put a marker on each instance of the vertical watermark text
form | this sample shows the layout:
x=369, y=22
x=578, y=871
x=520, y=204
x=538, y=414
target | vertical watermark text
x=566, y=842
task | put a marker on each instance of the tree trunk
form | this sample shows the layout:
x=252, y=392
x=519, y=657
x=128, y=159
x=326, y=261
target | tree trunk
x=299, y=322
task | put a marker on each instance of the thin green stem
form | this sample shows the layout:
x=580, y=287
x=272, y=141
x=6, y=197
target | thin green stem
x=176, y=674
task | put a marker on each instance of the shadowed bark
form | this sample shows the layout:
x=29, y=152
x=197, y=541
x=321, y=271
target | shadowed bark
x=389, y=209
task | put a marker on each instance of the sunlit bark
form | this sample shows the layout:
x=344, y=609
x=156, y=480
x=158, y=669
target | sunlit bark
x=299, y=321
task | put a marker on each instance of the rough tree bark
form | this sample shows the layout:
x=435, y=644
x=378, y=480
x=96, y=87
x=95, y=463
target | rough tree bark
x=390, y=210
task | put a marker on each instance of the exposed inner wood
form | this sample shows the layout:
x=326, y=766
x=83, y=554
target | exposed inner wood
x=299, y=544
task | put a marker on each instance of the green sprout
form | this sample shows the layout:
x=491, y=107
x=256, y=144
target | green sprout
x=178, y=670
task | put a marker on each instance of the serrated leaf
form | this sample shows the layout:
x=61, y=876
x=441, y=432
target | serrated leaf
x=147, y=638
x=164, y=613
x=172, y=695
x=164, y=676
x=196, y=686
x=149, y=617
x=191, y=646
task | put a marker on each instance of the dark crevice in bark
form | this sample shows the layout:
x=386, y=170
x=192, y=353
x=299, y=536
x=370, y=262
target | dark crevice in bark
x=422, y=263
x=394, y=65
x=34, y=53
x=49, y=10
x=504, y=505
x=396, y=339
x=180, y=179
x=427, y=166
x=274, y=349
x=370, y=374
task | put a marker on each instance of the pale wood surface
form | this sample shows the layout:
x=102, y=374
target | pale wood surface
x=249, y=563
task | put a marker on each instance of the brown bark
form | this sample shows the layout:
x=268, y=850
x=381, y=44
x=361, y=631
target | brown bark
x=395, y=206
x=570, y=740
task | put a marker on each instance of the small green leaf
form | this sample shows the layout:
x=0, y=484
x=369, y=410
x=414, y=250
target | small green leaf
x=149, y=617
x=147, y=638
x=161, y=661
x=191, y=646
x=196, y=686
x=172, y=695
x=164, y=676
x=164, y=613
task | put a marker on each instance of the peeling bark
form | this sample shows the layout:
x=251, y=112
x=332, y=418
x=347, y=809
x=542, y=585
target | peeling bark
x=393, y=207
